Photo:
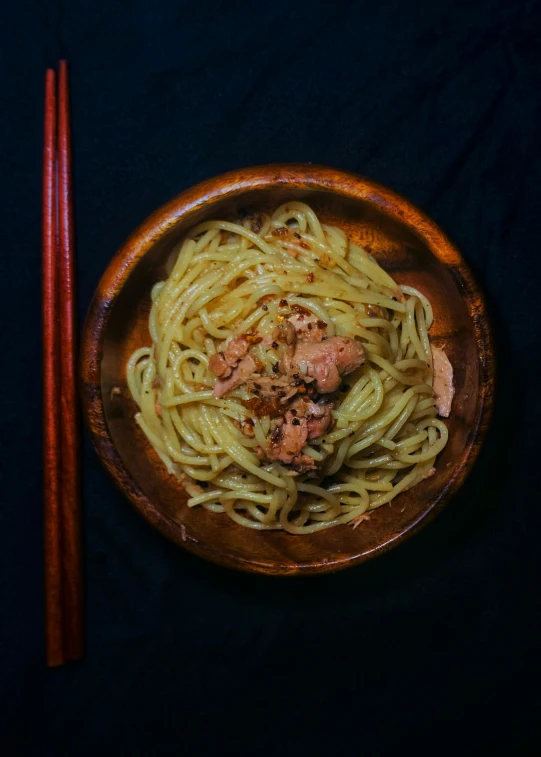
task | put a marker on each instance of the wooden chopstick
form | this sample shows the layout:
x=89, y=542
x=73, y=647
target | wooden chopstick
x=54, y=612
x=69, y=404
x=63, y=558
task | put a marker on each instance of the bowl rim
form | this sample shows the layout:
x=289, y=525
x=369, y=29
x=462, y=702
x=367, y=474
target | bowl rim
x=230, y=185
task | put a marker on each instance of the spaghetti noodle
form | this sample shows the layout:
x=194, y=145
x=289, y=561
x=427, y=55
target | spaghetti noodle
x=274, y=304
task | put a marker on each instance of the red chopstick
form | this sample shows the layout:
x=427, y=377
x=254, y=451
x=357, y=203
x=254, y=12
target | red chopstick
x=51, y=391
x=62, y=510
x=69, y=404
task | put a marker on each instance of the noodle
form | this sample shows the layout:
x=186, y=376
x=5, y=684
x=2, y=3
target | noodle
x=230, y=279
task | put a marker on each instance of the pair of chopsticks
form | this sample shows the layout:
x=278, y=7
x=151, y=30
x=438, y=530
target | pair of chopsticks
x=61, y=485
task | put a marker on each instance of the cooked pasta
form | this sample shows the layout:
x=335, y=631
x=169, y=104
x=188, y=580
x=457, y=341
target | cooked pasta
x=290, y=381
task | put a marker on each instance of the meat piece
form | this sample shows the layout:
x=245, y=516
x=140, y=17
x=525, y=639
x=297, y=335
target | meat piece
x=222, y=363
x=302, y=464
x=288, y=439
x=235, y=350
x=317, y=414
x=286, y=443
x=308, y=327
x=239, y=375
x=444, y=389
x=234, y=365
x=285, y=332
x=218, y=365
x=325, y=361
x=303, y=420
x=278, y=391
x=320, y=420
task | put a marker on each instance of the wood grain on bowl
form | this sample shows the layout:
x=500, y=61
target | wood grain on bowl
x=405, y=242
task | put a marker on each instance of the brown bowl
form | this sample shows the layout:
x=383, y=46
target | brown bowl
x=406, y=243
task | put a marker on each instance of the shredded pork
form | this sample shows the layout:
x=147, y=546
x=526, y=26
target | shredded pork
x=444, y=389
x=304, y=420
x=326, y=361
x=310, y=365
x=240, y=374
x=222, y=364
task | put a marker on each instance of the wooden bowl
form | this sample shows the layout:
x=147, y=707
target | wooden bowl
x=406, y=243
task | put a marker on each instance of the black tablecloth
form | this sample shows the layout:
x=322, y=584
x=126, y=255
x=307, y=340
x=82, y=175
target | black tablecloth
x=433, y=647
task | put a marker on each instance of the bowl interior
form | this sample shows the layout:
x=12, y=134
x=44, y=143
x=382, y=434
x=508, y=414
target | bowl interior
x=404, y=251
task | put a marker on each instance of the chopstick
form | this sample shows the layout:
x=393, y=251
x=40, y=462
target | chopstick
x=62, y=511
x=51, y=391
x=69, y=404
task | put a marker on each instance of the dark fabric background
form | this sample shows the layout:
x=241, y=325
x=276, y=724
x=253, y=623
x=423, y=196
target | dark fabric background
x=433, y=648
